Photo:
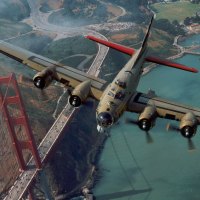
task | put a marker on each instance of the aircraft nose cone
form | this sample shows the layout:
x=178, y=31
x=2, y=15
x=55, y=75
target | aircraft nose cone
x=104, y=119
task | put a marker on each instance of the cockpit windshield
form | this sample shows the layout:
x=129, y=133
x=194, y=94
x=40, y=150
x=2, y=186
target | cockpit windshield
x=120, y=83
x=111, y=94
x=120, y=95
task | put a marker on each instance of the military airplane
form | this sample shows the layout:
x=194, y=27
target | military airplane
x=118, y=96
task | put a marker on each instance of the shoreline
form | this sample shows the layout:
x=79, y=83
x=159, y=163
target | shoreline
x=182, y=52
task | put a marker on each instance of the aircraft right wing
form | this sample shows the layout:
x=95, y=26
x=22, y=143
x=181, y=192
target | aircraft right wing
x=67, y=75
x=150, y=106
x=165, y=108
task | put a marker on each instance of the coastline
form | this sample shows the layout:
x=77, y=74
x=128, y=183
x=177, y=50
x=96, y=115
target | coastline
x=182, y=51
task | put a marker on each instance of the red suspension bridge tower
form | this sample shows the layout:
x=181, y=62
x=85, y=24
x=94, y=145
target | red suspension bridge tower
x=13, y=112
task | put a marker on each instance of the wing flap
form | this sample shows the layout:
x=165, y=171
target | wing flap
x=118, y=47
x=170, y=64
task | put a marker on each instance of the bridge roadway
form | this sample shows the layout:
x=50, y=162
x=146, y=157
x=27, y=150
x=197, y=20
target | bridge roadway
x=40, y=21
x=24, y=180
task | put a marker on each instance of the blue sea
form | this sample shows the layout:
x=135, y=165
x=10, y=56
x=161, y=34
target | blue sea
x=165, y=169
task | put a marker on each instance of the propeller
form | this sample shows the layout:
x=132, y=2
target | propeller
x=24, y=80
x=191, y=146
x=131, y=121
x=69, y=92
x=171, y=127
x=89, y=103
x=149, y=138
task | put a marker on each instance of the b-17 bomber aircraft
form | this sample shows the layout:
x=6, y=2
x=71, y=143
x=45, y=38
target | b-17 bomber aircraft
x=118, y=96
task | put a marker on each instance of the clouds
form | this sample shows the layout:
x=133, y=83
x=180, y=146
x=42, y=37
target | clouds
x=3, y=4
x=14, y=10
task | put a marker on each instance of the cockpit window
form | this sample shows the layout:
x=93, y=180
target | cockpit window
x=120, y=83
x=111, y=94
x=120, y=95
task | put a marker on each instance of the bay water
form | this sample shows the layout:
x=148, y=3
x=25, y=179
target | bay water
x=132, y=169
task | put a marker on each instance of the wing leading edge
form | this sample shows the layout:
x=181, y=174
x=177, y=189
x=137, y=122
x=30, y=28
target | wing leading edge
x=69, y=75
x=164, y=108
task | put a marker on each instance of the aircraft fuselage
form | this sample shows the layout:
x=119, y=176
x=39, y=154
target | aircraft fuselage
x=114, y=100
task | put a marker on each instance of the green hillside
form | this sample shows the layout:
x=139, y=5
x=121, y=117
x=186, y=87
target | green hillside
x=176, y=10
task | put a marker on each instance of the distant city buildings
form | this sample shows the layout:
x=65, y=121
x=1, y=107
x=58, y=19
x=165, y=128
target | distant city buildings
x=112, y=26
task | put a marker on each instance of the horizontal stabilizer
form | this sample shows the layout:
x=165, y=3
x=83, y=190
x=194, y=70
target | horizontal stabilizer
x=170, y=64
x=118, y=47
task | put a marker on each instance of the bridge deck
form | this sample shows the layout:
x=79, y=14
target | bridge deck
x=25, y=178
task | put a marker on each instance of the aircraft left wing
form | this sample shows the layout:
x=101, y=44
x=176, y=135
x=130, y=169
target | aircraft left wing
x=163, y=108
x=67, y=75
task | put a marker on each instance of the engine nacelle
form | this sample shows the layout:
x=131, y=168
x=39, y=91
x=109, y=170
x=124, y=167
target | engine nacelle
x=80, y=94
x=147, y=118
x=188, y=125
x=44, y=78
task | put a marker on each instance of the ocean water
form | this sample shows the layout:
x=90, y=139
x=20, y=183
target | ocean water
x=165, y=169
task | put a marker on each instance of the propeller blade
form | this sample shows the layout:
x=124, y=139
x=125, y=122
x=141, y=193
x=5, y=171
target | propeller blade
x=89, y=103
x=191, y=146
x=171, y=127
x=25, y=80
x=149, y=138
x=131, y=121
x=43, y=95
x=69, y=92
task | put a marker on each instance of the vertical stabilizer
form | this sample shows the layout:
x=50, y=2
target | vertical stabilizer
x=144, y=43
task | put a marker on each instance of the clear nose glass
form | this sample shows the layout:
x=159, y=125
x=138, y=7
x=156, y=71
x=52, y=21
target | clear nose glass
x=104, y=119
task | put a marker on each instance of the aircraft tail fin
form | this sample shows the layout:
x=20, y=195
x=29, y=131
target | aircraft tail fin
x=144, y=43
x=124, y=49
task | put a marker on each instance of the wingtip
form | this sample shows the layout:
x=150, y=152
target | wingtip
x=195, y=70
x=192, y=69
x=170, y=64
x=88, y=36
